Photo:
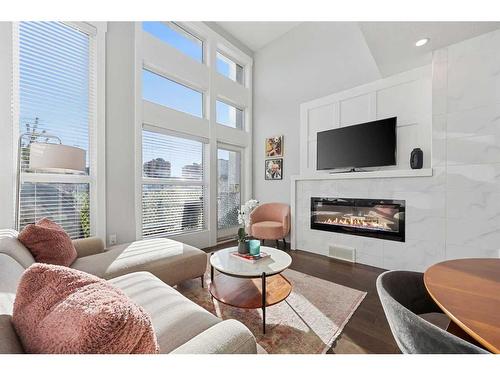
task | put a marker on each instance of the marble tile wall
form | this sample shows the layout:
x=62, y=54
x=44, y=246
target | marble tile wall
x=473, y=148
x=455, y=213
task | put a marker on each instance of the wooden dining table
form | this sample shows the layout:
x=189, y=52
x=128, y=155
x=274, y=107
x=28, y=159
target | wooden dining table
x=468, y=291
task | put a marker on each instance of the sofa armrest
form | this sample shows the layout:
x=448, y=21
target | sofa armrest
x=88, y=246
x=226, y=337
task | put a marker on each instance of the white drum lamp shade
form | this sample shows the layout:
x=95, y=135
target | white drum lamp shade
x=55, y=158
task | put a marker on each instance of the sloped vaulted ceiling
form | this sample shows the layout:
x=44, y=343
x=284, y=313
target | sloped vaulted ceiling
x=333, y=55
x=391, y=44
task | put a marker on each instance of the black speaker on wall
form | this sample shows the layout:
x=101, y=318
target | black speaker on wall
x=416, y=159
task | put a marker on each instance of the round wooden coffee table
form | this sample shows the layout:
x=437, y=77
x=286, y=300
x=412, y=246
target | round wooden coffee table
x=250, y=285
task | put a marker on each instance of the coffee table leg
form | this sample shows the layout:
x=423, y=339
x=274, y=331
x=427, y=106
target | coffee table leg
x=263, y=302
x=211, y=270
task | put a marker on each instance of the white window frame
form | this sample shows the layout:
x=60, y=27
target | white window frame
x=190, y=34
x=179, y=81
x=181, y=29
x=229, y=103
x=226, y=55
x=97, y=132
x=171, y=63
x=224, y=234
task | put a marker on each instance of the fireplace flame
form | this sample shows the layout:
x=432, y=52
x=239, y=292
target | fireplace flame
x=358, y=221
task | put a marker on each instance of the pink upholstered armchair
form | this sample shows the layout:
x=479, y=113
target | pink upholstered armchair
x=270, y=221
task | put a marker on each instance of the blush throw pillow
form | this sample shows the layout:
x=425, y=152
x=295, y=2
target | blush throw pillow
x=62, y=310
x=48, y=243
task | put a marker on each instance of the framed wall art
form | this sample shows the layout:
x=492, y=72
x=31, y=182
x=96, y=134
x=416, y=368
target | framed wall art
x=274, y=169
x=274, y=147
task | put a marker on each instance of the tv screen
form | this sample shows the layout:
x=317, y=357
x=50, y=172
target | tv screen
x=371, y=144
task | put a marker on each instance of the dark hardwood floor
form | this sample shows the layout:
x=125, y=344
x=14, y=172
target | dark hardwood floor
x=368, y=330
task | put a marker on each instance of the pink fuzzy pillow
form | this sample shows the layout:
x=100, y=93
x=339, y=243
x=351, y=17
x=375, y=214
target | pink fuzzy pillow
x=48, y=243
x=62, y=310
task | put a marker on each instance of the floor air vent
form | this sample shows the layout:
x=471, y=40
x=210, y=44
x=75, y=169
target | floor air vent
x=343, y=253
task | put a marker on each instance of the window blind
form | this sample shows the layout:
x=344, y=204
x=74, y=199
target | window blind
x=55, y=97
x=65, y=203
x=173, y=189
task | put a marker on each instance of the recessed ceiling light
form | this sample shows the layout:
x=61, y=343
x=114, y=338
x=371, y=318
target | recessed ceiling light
x=422, y=42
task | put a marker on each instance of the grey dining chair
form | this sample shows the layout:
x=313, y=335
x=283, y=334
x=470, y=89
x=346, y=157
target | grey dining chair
x=405, y=301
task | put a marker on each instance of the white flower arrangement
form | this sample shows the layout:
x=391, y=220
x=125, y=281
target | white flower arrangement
x=244, y=212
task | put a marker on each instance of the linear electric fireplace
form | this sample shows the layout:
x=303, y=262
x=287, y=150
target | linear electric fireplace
x=379, y=218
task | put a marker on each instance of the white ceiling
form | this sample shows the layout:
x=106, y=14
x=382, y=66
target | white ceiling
x=256, y=35
x=392, y=44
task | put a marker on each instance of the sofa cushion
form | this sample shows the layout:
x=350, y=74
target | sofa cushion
x=169, y=260
x=88, y=246
x=62, y=310
x=48, y=242
x=226, y=337
x=10, y=245
x=175, y=318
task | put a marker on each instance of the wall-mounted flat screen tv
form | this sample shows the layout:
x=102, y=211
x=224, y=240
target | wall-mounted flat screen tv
x=371, y=144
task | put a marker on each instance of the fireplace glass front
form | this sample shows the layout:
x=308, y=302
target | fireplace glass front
x=379, y=218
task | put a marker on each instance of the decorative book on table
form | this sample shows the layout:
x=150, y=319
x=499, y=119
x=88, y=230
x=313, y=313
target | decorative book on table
x=250, y=258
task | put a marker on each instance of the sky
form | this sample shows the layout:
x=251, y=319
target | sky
x=54, y=76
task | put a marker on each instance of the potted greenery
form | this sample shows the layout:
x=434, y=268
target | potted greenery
x=244, y=220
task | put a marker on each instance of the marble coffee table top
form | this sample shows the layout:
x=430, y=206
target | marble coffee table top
x=224, y=262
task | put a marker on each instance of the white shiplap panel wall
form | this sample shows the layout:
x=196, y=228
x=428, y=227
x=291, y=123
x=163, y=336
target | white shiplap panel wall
x=406, y=95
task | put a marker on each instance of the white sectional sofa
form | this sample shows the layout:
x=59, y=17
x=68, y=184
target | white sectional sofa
x=145, y=271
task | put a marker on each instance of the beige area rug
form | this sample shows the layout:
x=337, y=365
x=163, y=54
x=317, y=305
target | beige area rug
x=308, y=321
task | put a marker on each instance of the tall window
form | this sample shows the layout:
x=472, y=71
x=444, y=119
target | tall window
x=177, y=37
x=178, y=194
x=173, y=189
x=55, y=88
x=228, y=188
x=229, y=68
